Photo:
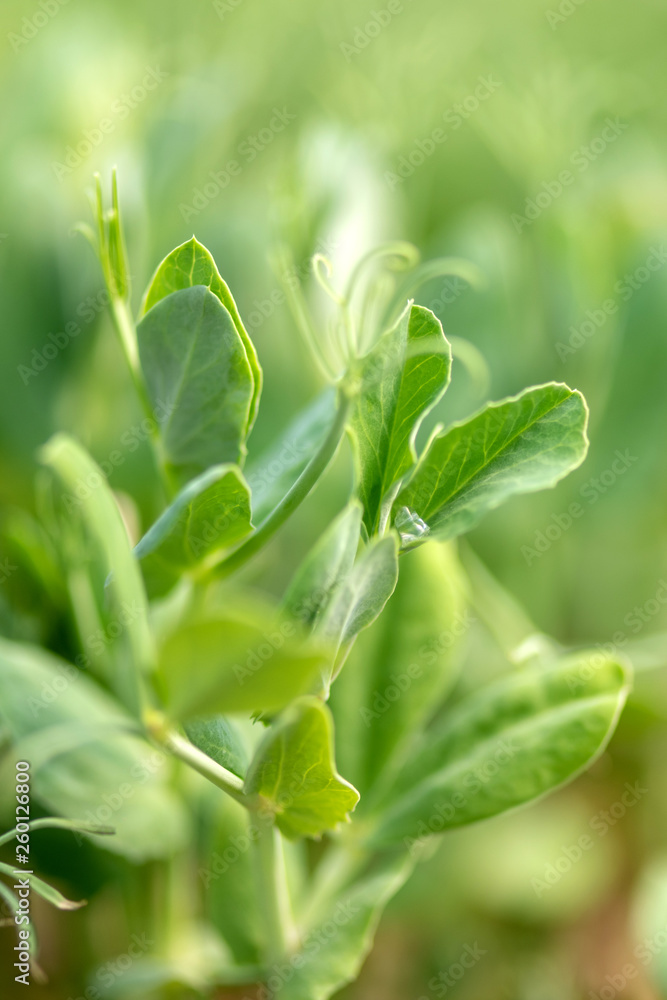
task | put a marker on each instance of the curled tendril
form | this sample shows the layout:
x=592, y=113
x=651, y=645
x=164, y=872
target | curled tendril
x=345, y=346
x=323, y=269
x=284, y=265
x=397, y=256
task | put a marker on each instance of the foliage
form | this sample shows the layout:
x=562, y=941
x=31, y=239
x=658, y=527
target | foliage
x=196, y=665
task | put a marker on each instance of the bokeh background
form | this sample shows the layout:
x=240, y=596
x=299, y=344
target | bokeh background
x=258, y=125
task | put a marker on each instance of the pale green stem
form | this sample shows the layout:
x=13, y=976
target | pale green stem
x=338, y=868
x=274, y=895
x=385, y=512
x=205, y=765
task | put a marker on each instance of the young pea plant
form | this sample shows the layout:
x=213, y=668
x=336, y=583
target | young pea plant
x=252, y=726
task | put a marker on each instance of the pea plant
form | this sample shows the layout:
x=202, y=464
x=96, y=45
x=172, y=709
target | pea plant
x=278, y=766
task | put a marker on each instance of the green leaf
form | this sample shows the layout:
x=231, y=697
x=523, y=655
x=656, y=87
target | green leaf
x=236, y=664
x=211, y=513
x=327, y=961
x=217, y=737
x=522, y=444
x=199, y=380
x=191, y=264
x=361, y=597
x=326, y=566
x=118, y=779
x=401, y=668
x=45, y=890
x=403, y=377
x=94, y=536
x=271, y=474
x=513, y=742
x=294, y=772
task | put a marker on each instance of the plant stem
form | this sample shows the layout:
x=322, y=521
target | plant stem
x=339, y=867
x=299, y=491
x=274, y=895
x=201, y=762
x=124, y=324
x=126, y=330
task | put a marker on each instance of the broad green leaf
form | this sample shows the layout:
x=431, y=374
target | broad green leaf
x=401, y=668
x=211, y=513
x=46, y=891
x=403, y=377
x=328, y=960
x=361, y=597
x=199, y=380
x=271, y=474
x=217, y=737
x=236, y=664
x=326, y=566
x=118, y=780
x=191, y=264
x=294, y=772
x=105, y=581
x=513, y=742
x=522, y=444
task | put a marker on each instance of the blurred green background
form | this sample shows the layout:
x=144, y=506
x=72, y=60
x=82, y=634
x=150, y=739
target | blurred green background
x=528, y=137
